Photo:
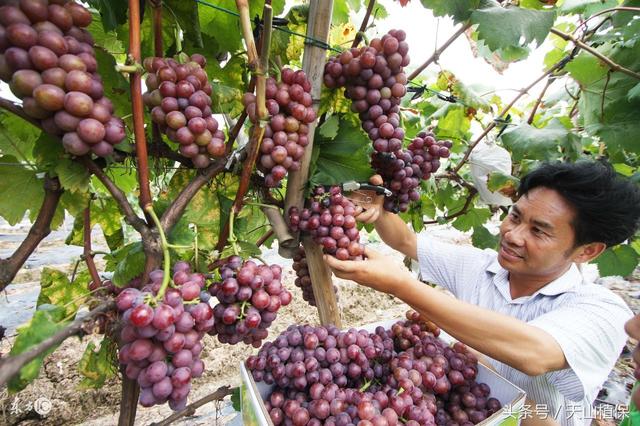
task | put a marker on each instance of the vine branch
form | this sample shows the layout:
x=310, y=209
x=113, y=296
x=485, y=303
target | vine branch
x=11, y=365
x=190, y=409
x=472, y=194
x=438, y=51
x=10, y=266
x=88, y=254
x=177, y=207
x=121, y=199
x=17, y=110
x=602, y=12
x=539, y=100
x=261, y=109
x=363, y=26
x=613, y=65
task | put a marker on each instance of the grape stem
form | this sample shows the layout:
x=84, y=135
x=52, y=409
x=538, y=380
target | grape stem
x=179, y=246
x=267, y=206
x=195, y=243
x=366, y=386
x=232, y=237
x=242, y=308
x=165, y=251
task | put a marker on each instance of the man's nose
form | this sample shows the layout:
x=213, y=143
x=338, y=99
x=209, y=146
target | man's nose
x=515, y=235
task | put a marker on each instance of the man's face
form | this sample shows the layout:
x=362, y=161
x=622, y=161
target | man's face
x=536, y=237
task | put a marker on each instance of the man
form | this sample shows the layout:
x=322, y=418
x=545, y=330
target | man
x=526, y=306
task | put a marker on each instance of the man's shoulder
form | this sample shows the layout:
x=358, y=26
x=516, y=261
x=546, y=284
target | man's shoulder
x=587, y=293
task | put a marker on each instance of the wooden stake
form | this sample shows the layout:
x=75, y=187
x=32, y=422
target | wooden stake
x=313, y=65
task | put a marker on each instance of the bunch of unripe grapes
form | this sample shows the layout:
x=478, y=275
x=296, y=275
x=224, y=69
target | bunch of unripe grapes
x=330, y=219
x=303, y=278
x=179, y=96
x=249, y=297
x=162, y=339
x=47, y=57
x=288, y=103
x=325, y=376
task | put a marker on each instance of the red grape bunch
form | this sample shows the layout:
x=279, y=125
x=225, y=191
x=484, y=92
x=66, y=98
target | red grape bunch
x=289, y=106
x=303, y=279
x=329, y=219
x=179, y=96
x=47, y=57
x=249, y=297
x=162, y=340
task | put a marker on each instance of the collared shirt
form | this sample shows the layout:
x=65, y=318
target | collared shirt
x=587, y=321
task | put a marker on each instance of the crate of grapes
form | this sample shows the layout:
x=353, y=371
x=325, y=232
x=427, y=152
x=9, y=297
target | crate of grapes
x=387, y=373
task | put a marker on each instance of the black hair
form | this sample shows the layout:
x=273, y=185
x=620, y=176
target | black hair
x=607, y=206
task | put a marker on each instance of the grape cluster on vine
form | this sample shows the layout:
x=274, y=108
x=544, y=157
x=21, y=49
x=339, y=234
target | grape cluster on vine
x=289, y=107
x=404, y=375
x=162, y=339
x=179, y=97
x=48, y=59
x=330, y=219
x=374, y=79
x=249, y=297
x=303, y=278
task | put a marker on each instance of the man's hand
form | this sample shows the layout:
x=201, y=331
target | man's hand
x=377, y=272
x=368, y=211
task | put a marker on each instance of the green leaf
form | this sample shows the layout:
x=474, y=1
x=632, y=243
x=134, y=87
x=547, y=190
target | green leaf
x=499, y=181
x=620, y=260
x=518, y=26
x=526, y=141
x=589, y=6
x=634, y=94
x=73, y=176
x=343, y=158
x=112, y=12
x=236, y=400
x=56, y=289
x=17, y=137
x=126, y=263
x=98, y=366
x=340, y=13
x=21, y=190
x=43, y=324
x=329, y=128
x=471, y=219
x=186, y=12
x=483, y=239
x=459, y=10
x=455, y=124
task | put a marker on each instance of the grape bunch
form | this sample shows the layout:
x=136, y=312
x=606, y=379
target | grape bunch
x=289, y=106
x=179, y=96
x=162, y=340
x=305, y=355
x=325, y=376
x=303, y=279
x=249, y=297
x=47, y=57
x=329, y=219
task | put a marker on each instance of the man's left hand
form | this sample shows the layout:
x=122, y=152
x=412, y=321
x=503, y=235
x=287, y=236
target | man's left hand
x=377, y=271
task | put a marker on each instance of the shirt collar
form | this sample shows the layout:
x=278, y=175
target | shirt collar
x=563, y=284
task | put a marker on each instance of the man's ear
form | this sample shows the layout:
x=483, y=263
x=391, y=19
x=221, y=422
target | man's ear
x=588, y=252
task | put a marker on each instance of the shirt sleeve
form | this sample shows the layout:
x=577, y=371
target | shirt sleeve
x=591, y=333
x=454, y=267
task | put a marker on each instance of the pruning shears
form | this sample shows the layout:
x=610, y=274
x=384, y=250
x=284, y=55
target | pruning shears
x=352, y=186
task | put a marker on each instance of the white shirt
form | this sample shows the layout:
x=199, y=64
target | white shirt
x=587, y=321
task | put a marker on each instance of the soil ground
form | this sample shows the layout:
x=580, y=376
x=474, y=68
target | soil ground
x=70, y=404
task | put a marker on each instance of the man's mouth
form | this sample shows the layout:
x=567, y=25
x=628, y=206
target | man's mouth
x=509, y=253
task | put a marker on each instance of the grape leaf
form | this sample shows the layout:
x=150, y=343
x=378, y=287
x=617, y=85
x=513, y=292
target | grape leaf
x=526, y=141
x=21, y=190
x=126, y=263
x=44, y=323
x=459, y=10
x=186, y=13
x=634, y=94
x=112, y=12
x=620, y=260
x=482, y=238
x=498, y=181
x=329, y=129
x=341, y=159
x=17, y=137
x=518, y=26
x=56, y=289
x=472, y=218
x=73, y=176
x=98, y=366
x=587, y=6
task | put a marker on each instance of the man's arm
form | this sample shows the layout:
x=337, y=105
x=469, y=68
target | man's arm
x=509, y=340
x=397, y=235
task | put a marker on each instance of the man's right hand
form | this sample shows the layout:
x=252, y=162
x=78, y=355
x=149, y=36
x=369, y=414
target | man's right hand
x=369, y=205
